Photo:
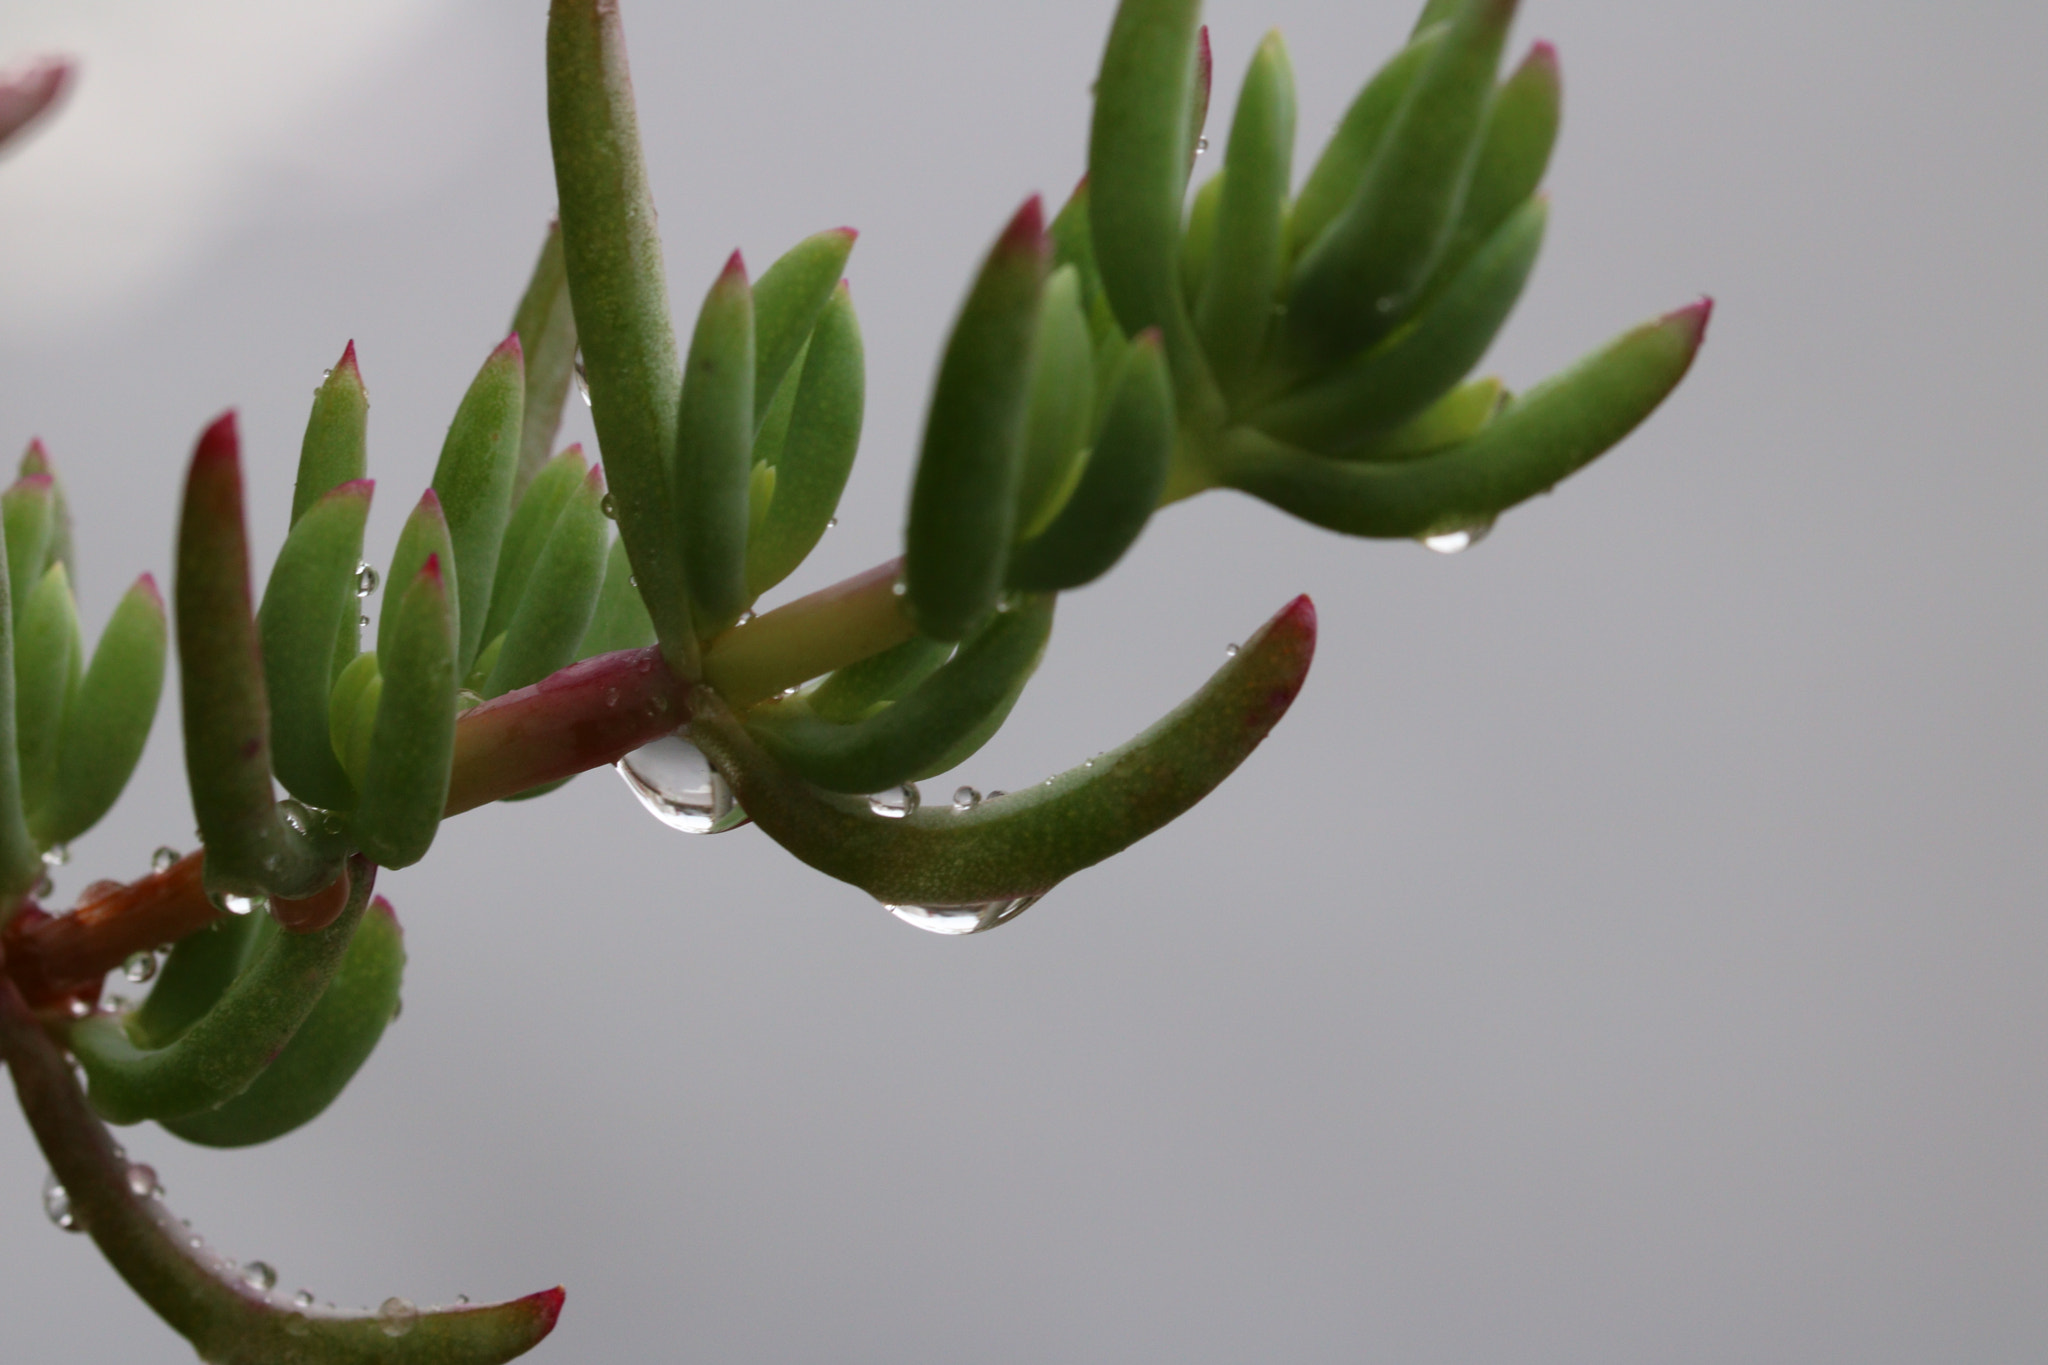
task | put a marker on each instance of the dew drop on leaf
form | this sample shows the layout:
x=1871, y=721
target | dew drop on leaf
x=140, y=967
x=57, y=1205
x=896, y=802
x=397, y=1316
x=966, y=798
x=163, y=858
x=259, y=1276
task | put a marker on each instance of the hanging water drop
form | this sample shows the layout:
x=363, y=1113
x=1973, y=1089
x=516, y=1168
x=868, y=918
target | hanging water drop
x=142, y=1181
x=366, y=579
x=56, y=855
x=746, y=619
x=957, y=921
x=140, y=967
x=397, y=1316
x=831, y=522
x=895, y=803
x=259, y=1276
x=609, y=505
x=1463, y=538
x=237, y=905
x=680, y=788
x=57, y=1205
x=582, y=380
x=163, y=858
x=966, y=798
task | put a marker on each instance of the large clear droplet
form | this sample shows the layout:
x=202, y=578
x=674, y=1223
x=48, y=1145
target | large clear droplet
x=259, y=1276
x=57, y=1205
x=366, y=580
x=140, y=967
x=895, y=803
x=680, y=788
x=397, y=1316
x=163, y=858
x=142, y=1181
x=965, y=798
x=958, y=920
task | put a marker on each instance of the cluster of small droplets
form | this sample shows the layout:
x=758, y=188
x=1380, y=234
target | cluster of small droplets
x=895, y=803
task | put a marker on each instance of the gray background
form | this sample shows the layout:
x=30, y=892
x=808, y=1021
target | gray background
x=1628, y=950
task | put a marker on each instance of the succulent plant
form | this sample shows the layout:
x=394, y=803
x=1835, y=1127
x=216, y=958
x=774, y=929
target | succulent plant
x=1308, y=345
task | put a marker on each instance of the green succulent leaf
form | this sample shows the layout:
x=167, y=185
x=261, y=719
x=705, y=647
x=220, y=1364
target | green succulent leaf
x=35, y=463
x=908, y=738
x=1549, y=432
x=963, y=501
x=1342, y=166
x=814, y=453
x=352, y=715
x=326, y=1051
x=251, y=850
x=29, y=508
x=561, y=596
x=219, y=1054
x=533, y=521
x=613, y=255
x=107, y=723
x=546, y=327
x=1394, y=381
x=405, y=777
x=20, y=865
x=1119, y=487
x=1458, y=416
x=788, y=300
x=1514, y=150
x=714, y=444
x=1025, y=842
x=853, y=692
x=333, y=450
x=1239, y=290
x=311, y=597
x=47, y=652
x=1061, y=415
x=474, y=482
x=1357, y=280
x=196, y=973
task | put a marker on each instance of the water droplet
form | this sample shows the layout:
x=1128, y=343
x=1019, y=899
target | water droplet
x=259, y=1276
x=896, y=802
x=140, y=967
x=397, y=1316
x=679, y=787
x=57, y=1205
x=966, y=798
x=161, y=860
x=303, y=1299
x=995, y=795
x=77, y=1008
x=1463, y=538
x=611, y=696
x=831, y=522
x=1201, y=145
x=746, y=619
x=116, y=1004
x=362, y=623
x=632, y=580
x=582, y=380
x=366, y=580
x=899, y=587
x=1387, y=303
x=1230, y=651
x=56, y=855
x=142, y=1181
x=956, y=921
x=462, y=1299
x=236, y=905
x=609, y=505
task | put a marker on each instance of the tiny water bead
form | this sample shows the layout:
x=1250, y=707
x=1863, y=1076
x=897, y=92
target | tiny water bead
x=260, y=1276
x=956, y=921
x=141, y=966
x=362, y=623
x=397, y=1316
x=965, y=798
x=303, y=1299
x=582, y=380
x=366, y=579
x=142, y=1181
x=57, y=1205
x=895, y=803
x=609, y=505
x=1463, y=538
x=163, y=858
x=1201, y=145
x=831, y=523
x=680, y=788
x=56, y=855
x=1230, y=651
x=236, y=905
x=45, y=888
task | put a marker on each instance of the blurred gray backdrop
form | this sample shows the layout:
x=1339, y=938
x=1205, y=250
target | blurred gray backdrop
x=1630, y=948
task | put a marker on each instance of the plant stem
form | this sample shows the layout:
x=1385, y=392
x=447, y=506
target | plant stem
x=831, y=628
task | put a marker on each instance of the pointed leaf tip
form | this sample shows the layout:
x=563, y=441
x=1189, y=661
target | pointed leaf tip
x=509, y=349
x=851, y=234
x=380, y=906
x=36, y=459
x=220, y=443
x=1693, y=318
x=1026, y=231
x=1542, y=53
x=348, y=359
x=147, y=583
x=735, y=264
